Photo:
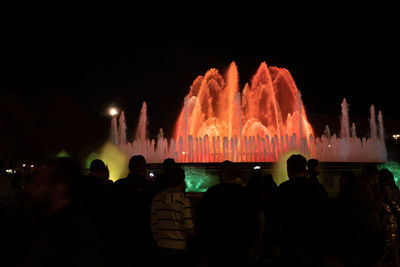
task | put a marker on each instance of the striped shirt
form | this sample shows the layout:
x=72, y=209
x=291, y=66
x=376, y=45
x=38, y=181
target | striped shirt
x=171, y=220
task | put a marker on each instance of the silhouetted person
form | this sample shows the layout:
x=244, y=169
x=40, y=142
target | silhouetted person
x=57, y=233
x=262, y=188
x=313, y=169
x=390, y=225
x=370, y=174
x=360, y=208
x=346, y=178
x=227, y=220
x=91, y=191
x=302, y=207
x=131, y=202
x=172, y=221
x=161, y=179
x=98, y=169
x=349, y=216
x=386, y=177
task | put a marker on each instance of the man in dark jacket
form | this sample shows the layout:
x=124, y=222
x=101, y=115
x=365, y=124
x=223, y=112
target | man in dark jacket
x=302, y=207
x=227, y=220
x=131, y=200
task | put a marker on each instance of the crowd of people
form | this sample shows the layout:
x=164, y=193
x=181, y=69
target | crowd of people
x=61, y=217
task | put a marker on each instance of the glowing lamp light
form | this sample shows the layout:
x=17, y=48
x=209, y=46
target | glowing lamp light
x=113, y=112
x=396, y=136
x=32, y=165
x=24, y=165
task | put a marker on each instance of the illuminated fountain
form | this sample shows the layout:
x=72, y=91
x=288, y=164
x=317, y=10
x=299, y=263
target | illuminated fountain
x=260, y=123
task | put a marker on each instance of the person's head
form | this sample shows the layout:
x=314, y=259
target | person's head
x=370, y=173
x=175, y=177
x=269, y=181
x=347, y=177
x=313, y=166
x=137, y=165
x=296, y=166
x=168, y=163
x=386, y=176
x=53, y=183
x=98, y=169
x=385, y=192
x=227, y=172
x=256, y=181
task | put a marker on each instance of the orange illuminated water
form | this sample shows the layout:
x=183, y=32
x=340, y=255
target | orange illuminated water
x=260, y=122
x=216, y=108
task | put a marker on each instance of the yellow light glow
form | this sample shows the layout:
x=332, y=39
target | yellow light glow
x=279, y=172
x=114, y=158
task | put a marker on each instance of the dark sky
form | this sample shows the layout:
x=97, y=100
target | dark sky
x=333, y=50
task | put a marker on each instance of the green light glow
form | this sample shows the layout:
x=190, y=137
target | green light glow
x=199, y=180
x=394, y=167
x=63, y=154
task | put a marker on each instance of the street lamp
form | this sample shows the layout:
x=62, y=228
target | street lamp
x=113, y=112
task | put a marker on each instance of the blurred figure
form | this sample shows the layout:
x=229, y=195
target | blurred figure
x=171, y=220
x=91, y=192
x=389, y=215
x=227, y=220
x=131, y=199
x=385, y=176
x=313, y=169
x=161, y=180
x=98, y=169
x=346, y=178
x=262, y=188
x=58, y=234
x=302, y=206
x=359, y=210
x=369, y=173
x=348, y=212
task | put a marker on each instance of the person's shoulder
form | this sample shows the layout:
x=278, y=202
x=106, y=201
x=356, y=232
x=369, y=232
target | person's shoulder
x=284, y=184
x=214, y=188
x=120, y=181
x=212, y=191
x=120, y=184
x=92, y=180
x=158, y=196
x=226, y=187
x=321, y=188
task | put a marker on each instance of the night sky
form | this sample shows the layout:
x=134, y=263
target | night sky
x=333, y=51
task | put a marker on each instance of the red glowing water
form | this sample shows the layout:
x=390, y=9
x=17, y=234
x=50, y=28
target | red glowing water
x=215, y=109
